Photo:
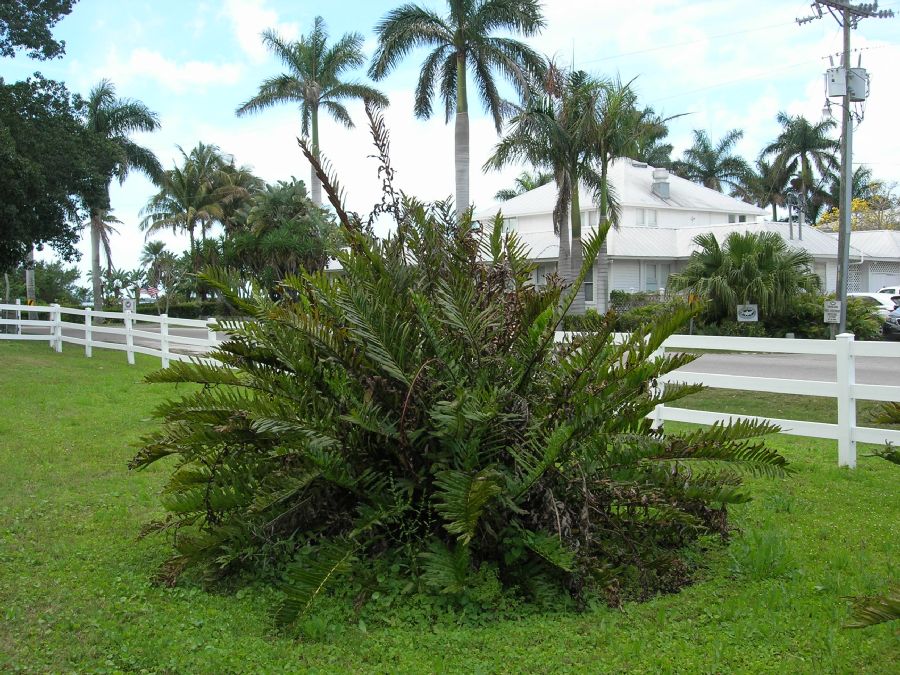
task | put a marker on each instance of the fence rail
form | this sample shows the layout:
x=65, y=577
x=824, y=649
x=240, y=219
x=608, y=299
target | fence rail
x=847, y=432
x=161, y=342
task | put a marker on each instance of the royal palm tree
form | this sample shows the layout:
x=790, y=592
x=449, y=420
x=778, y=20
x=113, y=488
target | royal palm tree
x=713, y=165
x=808, y=147
x=313, y=80
x=765, y=185
x=463, y=39
x=113, y=120
x=747, y=268
x=524, y=182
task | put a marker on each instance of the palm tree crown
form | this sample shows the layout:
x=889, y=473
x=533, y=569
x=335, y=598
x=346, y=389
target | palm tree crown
x=806, y=146
x=764, y=185
x=313, y=80
x=524, y=182
x=712, y=165
x=461, y=40
x=113, y=120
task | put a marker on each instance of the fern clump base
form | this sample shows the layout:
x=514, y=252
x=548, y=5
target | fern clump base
x=415, y=417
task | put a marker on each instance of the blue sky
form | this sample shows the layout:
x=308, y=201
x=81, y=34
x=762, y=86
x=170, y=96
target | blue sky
x=730, y=63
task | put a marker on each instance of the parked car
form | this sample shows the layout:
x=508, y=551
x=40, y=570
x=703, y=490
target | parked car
x=881, y=303
x=891, y=327
x=890, y=290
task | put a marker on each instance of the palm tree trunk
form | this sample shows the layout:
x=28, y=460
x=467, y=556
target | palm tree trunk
x=96, y=279
x=774, y=213
x=315, y=185
x=6, y=288
x=461, y=148
x=577, y=253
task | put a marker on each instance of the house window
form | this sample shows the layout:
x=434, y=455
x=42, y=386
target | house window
x=510, y=224
x=656, y=276
x=646, y=217
x=736, y=218
x=588, y=285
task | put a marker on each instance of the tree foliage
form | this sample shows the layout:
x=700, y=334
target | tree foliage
x=48, y=169
x=27, y=24
x=284, y=233
x=713, y=165
x=418, y=409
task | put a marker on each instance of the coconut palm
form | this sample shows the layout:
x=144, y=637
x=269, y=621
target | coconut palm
x=808, y=146
x=524, y=182
x=462, y=39
x=313, y=80
x=113, y=120
x=190, y=197
x=747, y=268
x=713, y=165
x=765, y=184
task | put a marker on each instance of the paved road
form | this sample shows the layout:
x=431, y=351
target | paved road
x=869, y=370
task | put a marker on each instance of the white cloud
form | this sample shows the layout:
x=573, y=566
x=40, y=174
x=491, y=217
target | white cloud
x=145, y=64
x=249, y=18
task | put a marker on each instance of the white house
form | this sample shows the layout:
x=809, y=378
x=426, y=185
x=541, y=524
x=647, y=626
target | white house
x=876, y=261
x=660, y=216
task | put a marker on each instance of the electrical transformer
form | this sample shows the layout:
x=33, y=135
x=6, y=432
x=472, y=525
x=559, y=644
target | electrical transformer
x=836, y=86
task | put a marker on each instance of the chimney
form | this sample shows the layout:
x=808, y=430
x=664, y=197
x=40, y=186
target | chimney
x=660, y=183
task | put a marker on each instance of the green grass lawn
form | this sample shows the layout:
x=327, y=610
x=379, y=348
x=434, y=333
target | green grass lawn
x=75, y=591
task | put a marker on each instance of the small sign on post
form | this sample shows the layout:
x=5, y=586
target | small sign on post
x=832, y=311
x=128, y=304
x=747, y=313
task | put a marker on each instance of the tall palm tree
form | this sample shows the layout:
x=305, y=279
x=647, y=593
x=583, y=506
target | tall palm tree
x=313, y=80
x=524, y=182
x=747, y=268
x=807, y=145
x=712, y=164
x=462, y=39
x=765, y=184
x=113, y=120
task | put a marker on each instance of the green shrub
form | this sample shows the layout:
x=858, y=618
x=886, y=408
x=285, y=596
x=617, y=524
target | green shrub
x=805, y=317
x=417, y=411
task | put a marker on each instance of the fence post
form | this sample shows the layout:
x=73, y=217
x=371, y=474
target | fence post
x=18, y=318
x=211, y=333
x=164, y=339
x=846, y=378
x=129, y=338
x=56, y=327
x=660, y=387
x=88, y=332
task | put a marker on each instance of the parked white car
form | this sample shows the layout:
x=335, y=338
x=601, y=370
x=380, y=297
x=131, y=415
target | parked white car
x=881, y=303
x=893, y=291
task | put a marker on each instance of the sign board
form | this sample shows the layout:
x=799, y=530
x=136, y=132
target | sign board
x=832, y=311
x=128, y=304
x=747, y=313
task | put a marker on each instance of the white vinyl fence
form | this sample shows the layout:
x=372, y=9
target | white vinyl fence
x=129, y=332
x=152, y=335
x=844, y=350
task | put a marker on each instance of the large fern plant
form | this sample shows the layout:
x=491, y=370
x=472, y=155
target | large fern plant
x=419, y=405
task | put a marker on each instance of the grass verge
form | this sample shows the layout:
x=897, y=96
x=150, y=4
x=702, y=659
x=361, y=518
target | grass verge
x=75, y=593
